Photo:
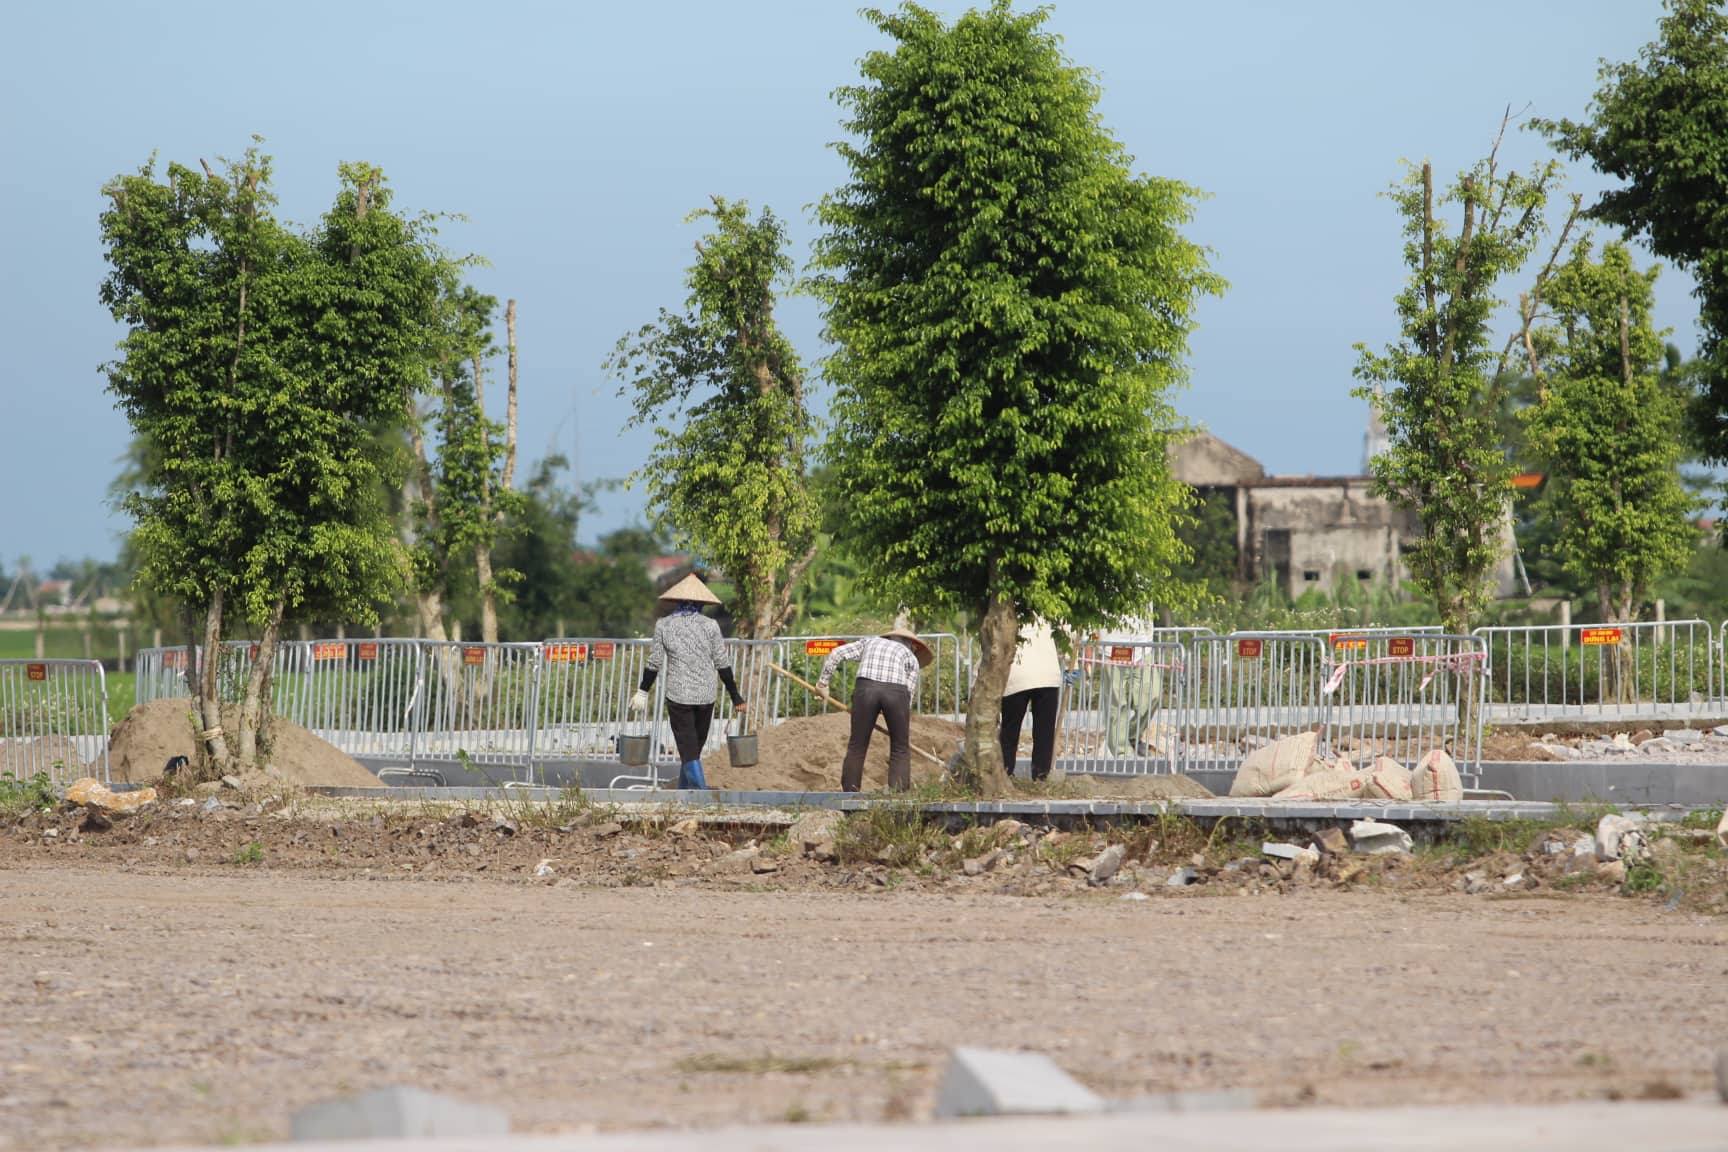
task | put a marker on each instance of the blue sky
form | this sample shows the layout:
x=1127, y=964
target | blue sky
x=575, y=138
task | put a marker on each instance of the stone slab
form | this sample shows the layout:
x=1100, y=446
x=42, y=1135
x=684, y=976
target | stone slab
x=396, y=1113
x=986, y=1082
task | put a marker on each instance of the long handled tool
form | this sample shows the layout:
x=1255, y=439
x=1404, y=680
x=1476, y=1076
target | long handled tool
x=823, y=696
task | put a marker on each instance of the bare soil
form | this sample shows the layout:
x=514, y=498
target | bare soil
x=153, y=734
x=213, y=970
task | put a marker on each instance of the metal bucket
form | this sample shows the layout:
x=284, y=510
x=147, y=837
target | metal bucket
x=633, y=750
x=742, y=747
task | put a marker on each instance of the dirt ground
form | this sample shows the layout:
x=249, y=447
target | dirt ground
x=153, y=734
x=215, y=966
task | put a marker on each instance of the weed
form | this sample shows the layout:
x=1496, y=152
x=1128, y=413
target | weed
x=1595, y=1060
x=1645, y=877
x=252, y=853
x=796, y=1113
x=19, y=794
x=1702, y=819
x=760, y=1065
x=891, y=834
x=1065, y=851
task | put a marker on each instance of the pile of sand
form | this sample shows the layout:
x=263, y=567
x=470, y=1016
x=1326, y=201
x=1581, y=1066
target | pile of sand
x=22, y=757
x=153, y=734
x=804, y=755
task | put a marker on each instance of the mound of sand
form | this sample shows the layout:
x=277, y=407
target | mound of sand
x=22, y=758
x=804, y=755
x=154, y=733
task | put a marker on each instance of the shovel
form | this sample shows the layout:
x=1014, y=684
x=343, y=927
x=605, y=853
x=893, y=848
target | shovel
x=827, y=699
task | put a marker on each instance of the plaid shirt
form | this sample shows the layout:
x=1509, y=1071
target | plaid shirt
x=885, y=661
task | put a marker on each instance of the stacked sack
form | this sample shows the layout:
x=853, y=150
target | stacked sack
x=1292, y=769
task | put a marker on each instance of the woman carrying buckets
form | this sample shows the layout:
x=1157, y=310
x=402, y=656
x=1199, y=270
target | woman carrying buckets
x=689, y=647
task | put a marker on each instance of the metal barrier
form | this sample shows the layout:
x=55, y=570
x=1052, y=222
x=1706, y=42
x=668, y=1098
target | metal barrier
x=943, y=688
x=1601, y=672
x=162, y=673
x=1404, y=695
x=479, y=700
x=358, y=695
x=1247, y=689
x=53, y=720
x=584, y=703
x=1122, y=715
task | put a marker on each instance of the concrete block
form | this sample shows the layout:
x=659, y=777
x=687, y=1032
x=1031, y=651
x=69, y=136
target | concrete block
x=397, y=1113
x=982, y=1082
x=1373, y=838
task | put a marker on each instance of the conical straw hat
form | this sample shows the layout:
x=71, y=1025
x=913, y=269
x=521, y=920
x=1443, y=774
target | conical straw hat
x=692, y=589
x=919, y=648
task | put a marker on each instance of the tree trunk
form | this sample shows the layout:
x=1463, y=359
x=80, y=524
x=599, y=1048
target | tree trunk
x=209, y=695
x=510, y=400
x=254, y=710
x=981, y=767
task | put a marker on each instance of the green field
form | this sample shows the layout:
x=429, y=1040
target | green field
x=65, y=643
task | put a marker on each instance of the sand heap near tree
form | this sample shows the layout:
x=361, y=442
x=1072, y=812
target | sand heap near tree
x=804, y=755
x=153, y=734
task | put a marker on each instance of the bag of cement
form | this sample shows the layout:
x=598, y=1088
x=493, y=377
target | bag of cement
x=1329, y=784
x=1436, y=780
x=1281, y=763
x=1389, y=780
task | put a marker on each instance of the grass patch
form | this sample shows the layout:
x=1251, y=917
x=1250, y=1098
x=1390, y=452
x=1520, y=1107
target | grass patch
x=764, y=1065
x=25, y=794
x=894, y=834
x=252, y=853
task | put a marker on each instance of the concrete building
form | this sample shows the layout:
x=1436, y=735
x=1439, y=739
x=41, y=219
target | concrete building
x=1307, y=532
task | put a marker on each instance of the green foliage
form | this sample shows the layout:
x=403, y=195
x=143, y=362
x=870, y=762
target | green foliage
x=724, y=391
x=20, y=794
x=1010, y=305
x=250, y=853
x=1437, y=387
x=257, y=362
x=1609, y=432
x=1209, y=535
x=1660, y=125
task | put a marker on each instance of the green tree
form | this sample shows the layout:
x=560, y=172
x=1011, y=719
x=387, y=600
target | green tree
x=1209, y=534
x=1009, y=305
x=1660, y=125
x=724, y=391
x=1439, y=387
x=257, y=362
x=1609, y=431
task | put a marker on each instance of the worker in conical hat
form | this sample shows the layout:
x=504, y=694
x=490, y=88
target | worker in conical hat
x=688, y=647
x=888, y=667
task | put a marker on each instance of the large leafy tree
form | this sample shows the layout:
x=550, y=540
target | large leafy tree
x=1010, y=306
x=1439, y=386
x=258, y=362
x=724, y=391
x=1608, y=430
x=1660, y=124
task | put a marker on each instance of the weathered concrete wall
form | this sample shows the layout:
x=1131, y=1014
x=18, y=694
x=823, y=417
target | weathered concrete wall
x=1337, y=530
x=1204, y=461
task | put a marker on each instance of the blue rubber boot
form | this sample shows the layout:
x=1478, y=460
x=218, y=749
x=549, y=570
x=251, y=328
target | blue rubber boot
x=690, y=775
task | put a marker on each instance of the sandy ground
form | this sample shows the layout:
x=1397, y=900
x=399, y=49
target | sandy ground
x=156, y=1004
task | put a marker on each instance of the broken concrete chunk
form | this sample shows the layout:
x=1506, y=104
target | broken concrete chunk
x=1331, y=841
x=1683, y=736
x=1722, y=830
x=1182, y=878
x=982, y=1082
x=1619, y=837
x=1107, y=864
x=1282, y=851
x=814, y=828
x=92, y=793
x=397, y=1114
x=1373, y=838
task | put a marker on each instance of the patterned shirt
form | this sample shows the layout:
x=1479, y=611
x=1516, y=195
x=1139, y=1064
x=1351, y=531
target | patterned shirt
x=688, y=647
x=879, y=659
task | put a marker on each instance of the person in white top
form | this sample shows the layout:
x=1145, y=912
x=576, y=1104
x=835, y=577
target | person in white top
x=1131, y=686
x=1035, y=682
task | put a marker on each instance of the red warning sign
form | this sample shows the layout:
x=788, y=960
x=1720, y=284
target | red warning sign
x=368, y=652
x=473, y=655
x=1599, y=637
x=1121, y=654
x=1248, y=649
x=1401, y=646
x=330, y=650
x=36, y=671
x=603, y=651
x=564, y=653
x=821, y=647
x=1349, y=642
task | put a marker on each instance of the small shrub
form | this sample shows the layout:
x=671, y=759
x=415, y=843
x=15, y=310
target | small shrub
x=252, y=853
x=25, y=794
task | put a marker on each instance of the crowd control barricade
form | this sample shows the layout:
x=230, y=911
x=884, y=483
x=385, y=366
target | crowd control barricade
x=53, y=720
x=1121, y=710
x=360, y=696
x=168, y=673
x=756, y=683
x=585, y=690
x=480, y=701
x=943, y=687
x=1404, y=695
x=1600, y=672
x=1247, y=689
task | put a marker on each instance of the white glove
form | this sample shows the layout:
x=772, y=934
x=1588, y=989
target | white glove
x=822, y=687
x=639, y=702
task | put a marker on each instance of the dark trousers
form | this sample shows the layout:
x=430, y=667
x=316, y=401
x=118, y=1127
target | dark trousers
x=894, y=703
x=690, y=724
x=1043, y=702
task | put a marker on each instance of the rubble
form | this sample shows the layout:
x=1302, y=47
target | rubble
x=92, y=793
x=1372, y=838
